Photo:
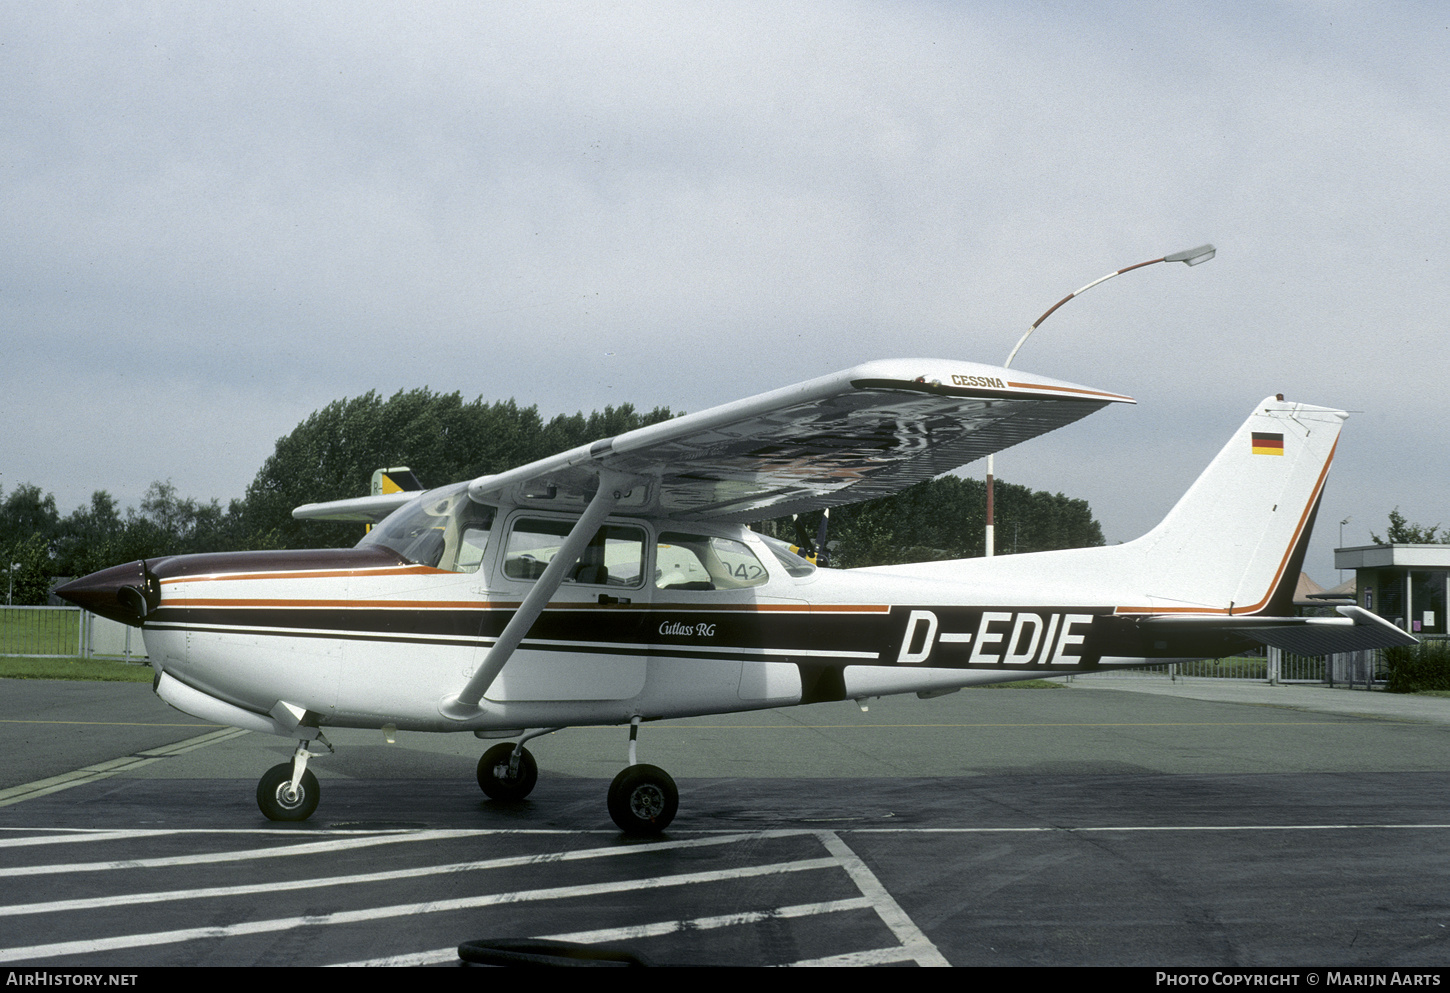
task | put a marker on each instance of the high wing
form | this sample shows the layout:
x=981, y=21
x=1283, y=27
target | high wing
x=867, y=432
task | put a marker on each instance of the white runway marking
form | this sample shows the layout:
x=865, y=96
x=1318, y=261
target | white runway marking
x=837, y=858
x=895, y=918
x=803, y=862
x=283, y=885
x=914, y=944
x=246, y=855
x=444, y=956
x=402, y=910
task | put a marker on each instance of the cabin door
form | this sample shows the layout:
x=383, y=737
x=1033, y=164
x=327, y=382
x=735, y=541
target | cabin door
x=588, y=643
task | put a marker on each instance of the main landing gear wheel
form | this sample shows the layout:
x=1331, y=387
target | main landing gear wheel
x=643, y=799
x=499, y=782
x=279, y=802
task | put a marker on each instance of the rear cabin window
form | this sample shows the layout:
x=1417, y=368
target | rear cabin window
x=703, y=562
x=614, y=558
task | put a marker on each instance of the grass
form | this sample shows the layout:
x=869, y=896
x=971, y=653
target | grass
x=96, y=670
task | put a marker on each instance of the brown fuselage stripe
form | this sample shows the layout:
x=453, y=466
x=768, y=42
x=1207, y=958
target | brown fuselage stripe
x=181, y=601
x=412, y=570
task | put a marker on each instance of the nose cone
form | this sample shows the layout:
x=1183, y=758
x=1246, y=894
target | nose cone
x=125, y=593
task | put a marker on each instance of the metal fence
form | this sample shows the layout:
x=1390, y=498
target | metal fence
x=65, y=632
x=51, y=632
x=1272, y=666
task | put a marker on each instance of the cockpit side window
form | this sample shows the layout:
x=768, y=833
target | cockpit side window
x=704, y=562
x=472, y=530
x=615, y=557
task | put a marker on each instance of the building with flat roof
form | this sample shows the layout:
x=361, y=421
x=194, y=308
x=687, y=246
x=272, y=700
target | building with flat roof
x=1405, y=584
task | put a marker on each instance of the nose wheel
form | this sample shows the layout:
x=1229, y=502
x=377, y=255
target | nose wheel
x=280, y=801
x=289, y=792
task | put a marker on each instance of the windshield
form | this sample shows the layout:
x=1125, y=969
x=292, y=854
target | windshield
x=443, y=528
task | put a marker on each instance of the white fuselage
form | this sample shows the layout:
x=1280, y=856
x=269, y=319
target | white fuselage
x=385, y=644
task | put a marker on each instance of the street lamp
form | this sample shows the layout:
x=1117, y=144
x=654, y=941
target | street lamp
x=1192, y=257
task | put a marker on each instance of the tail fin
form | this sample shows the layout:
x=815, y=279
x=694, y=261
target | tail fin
x=391, y=489
x=1236, y=539
x=399, y=479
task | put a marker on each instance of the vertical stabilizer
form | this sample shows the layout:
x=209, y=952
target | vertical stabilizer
x=1236, y=539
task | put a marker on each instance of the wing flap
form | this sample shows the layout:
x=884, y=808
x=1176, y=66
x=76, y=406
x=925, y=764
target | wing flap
x=863, y=433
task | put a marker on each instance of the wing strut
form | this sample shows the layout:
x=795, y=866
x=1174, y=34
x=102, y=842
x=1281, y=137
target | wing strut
x=613, y=487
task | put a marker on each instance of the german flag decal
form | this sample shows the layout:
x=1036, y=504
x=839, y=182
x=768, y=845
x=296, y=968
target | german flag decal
x=1268, y=444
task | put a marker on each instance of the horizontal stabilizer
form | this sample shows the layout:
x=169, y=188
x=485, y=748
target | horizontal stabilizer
x=1355, y=630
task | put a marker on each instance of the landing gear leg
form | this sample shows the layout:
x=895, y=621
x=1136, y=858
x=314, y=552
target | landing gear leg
x=643, y=799
x=288, y=792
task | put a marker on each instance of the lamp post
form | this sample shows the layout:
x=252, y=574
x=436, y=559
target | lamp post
x=1341, y=545
x=1192, y=257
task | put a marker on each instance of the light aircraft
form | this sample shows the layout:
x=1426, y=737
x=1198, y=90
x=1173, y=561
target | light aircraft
x=618, y=584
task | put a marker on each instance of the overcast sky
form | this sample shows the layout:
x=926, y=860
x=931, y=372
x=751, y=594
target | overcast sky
x=218, y=218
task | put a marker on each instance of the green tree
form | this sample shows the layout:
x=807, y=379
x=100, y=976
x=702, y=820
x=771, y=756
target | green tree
x=31, y=568
x=89, y=538
x=28, y=527
x=27, y=512
x=333, y=453
x=1402, y=532
x=945, y=518
x=168, y=524
x=442, y=438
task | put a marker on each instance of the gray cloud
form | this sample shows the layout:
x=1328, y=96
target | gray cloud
x=216, y=219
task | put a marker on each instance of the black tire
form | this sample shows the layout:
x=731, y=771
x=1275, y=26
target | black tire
x=643, y=799
x=493, y=776
x=272, y=794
